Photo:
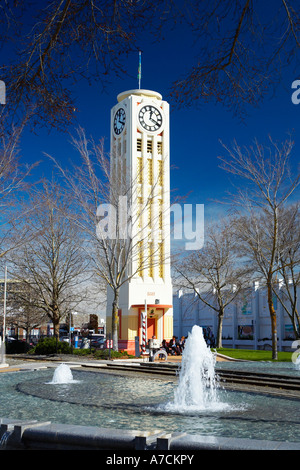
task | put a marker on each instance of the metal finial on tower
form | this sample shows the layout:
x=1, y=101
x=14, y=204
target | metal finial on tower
x=140, y=69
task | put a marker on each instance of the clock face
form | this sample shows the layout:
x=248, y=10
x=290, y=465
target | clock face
x=150, y=118
x=119, y=121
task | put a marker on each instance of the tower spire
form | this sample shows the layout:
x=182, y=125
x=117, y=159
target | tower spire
x=140, y=69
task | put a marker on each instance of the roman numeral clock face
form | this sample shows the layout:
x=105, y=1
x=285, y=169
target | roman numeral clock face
x=119, y=121
x=150, y=118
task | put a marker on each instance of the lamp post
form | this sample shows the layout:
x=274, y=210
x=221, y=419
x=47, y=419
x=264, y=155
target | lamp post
x=2, y=340
x=4, y=305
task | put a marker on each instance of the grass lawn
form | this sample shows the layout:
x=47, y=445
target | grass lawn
x=254, y=355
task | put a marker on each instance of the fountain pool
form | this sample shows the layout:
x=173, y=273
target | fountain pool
x=193, y=403
x=99, y=399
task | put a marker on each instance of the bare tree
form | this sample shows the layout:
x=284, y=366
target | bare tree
x=240, y=49
x=115, y=219
x=286, y=289
x=214, y=273
x=51, y=264
x=13, y=188
x=22, y=312
x=270, y=184
x=63, y=42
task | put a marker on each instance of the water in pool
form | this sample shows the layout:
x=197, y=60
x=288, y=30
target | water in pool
x=98, y=399
x=195, y=403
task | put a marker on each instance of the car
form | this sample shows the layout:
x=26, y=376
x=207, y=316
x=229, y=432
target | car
x=66, y=339
x=98, y=343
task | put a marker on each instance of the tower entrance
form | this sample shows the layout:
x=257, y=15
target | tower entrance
x=151, y=330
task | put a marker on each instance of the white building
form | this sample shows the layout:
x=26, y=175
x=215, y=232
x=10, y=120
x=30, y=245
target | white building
x=246, y=322
x=140, y=159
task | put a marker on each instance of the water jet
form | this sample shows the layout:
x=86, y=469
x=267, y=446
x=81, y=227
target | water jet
x=63, y=375
x=197, y=388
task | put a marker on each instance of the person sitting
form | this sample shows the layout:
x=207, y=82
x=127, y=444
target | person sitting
x=173, y=346
x=164, y=345
x=181, y=343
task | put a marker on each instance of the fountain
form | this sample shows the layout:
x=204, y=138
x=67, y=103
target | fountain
x=63, y=375
x=197, y=384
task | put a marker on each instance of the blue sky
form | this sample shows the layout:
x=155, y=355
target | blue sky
x=195, y=132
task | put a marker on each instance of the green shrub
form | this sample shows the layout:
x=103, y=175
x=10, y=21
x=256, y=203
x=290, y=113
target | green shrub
x=104, y=354
x=83, y=352
x=50, y=345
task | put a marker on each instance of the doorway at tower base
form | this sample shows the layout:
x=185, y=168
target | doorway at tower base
x=159, y=324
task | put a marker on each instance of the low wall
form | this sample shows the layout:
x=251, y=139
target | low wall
x=33, y=435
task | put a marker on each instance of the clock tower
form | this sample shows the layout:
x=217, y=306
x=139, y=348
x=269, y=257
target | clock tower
x=140, y=155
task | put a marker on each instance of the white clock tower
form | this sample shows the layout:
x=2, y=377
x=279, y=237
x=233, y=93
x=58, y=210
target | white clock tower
x=140, y=155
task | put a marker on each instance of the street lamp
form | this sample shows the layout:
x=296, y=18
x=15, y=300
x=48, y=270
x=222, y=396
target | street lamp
x=4, y=305
x=2, y=340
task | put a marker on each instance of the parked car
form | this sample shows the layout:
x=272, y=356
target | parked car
x=10, y=339
x=66, y=339
x=98, y=343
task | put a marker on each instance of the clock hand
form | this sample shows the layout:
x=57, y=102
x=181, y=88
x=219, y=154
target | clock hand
x=153, y=120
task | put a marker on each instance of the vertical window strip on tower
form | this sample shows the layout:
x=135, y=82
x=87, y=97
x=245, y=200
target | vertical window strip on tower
x=161, y=260
x=139, y=211
x=150, y=171
x=112, y=173
x=150, y=259
x=160, y=214
x=114, y=149
x=160, y=173
x=140, y=258
x=149, y=212
x=140, y=170
x=124, y=176
x=119, y=173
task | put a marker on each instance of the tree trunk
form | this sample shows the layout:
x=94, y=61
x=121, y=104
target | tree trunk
x=296, y=324
x=28, y=335
x=55, y=320
x=273, y=321
x=115, y=321
x=220, y=327
x=56, y=328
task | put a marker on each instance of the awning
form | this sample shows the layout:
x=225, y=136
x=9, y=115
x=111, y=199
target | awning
x=151, y=306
